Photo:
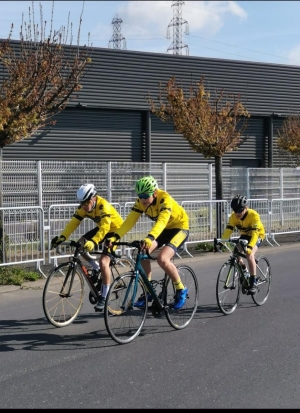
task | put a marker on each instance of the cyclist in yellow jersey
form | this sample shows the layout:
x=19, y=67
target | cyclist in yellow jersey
x=170, y=230
x=248, y=222
x=108, y=220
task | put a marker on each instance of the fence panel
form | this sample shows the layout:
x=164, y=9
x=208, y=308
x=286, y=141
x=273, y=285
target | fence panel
x=22, y=237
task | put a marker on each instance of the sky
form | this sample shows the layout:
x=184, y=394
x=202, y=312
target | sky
x=259, y=31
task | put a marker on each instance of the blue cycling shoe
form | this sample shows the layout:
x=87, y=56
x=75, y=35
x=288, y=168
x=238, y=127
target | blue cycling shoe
x=140, y=303
x=180, y=298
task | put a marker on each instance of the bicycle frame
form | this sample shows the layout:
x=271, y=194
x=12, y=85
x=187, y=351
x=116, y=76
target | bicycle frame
x=75, y=262
x=139, y=271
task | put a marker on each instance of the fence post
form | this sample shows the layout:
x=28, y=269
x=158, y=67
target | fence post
x=109, y=194
x=165, y=176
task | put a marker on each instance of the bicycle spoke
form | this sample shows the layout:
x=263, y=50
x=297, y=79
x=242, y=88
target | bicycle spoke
x=228, y=288
x=263, y=275
x=180, y=318
x=63, y=295
x=123, y=321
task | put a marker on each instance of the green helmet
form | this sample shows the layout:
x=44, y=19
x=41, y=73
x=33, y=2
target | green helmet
x=146, y=185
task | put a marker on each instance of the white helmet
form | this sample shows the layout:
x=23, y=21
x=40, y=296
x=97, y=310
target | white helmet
x=86, y=192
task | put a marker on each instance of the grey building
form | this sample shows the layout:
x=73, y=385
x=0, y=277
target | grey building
x=112, y=122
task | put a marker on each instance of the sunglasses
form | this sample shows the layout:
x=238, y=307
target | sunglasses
x=144, y=196
x=239, y=211
x=84, y=203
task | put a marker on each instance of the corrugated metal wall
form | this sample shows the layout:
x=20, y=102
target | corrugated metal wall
x=85, y=134
x=112, y=125
x=123, y=79
x=167, y=146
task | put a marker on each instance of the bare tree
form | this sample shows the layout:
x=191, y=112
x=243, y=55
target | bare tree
x=289, y=137
x=212, y=127
x=40, y=74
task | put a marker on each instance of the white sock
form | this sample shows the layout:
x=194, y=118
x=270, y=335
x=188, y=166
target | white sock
x=105, y=289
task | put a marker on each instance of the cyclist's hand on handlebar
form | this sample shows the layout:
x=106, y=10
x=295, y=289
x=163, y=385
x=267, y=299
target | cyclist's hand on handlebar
x=109, y=241
x=146, y=243
x=57, y=240
x=249, y=250
x=89, y=245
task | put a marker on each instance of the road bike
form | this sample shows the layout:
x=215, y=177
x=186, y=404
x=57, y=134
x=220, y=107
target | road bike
x=232, y=280
x=124, y=321
x=63, y=293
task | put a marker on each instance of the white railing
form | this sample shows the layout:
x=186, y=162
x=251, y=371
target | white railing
x=24, y=237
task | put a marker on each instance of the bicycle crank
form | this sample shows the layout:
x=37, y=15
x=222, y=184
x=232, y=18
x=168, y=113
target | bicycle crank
x=156, y=312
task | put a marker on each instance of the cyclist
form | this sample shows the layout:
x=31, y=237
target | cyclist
x=107, y=219
x=171, y=230
x=248, y=222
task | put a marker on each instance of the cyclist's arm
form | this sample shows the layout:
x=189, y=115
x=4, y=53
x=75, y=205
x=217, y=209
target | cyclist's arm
x=129, y=222
x=161, y=223
x=255, y=229
x=229, y=229
x=72, y=225
x=104, y=228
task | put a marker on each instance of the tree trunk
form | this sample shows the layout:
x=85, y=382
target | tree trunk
x=219, y=194
x=218, y=178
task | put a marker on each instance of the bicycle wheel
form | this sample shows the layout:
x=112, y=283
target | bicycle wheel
x=180, y=318
x=118, y=267
x=123, y=321
x=121, y=266
x=228, y=288
x=264, y=276
x=63, y=295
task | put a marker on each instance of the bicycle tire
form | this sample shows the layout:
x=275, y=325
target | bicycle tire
x=264, y=277
x=181, y=318
x=228, y=288
x=62, y=310
x=123, y=321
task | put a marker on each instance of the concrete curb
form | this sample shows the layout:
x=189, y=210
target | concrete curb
x=199, y=256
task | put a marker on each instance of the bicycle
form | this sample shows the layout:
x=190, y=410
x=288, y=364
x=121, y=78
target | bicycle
x=123, y=321
x=231, y=279
x=63, y=292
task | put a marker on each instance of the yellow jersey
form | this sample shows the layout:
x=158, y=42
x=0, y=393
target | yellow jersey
x=164, y=211
x=250, y=224
x=104, y=215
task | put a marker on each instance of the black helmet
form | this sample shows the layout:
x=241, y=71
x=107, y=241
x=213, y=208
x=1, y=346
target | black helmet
x=238, y=203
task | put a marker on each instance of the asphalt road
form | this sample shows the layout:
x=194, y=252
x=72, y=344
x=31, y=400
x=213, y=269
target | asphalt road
x=249, y=359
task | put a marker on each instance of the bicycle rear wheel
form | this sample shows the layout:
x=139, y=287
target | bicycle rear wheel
x=63, y=295
x=263, y=276
x=121, y=266
x=180, y=318
x=228, y=288
x=123, y=321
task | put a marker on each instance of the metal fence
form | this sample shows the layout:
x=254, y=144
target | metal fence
x=45, y=183
x=26, y=234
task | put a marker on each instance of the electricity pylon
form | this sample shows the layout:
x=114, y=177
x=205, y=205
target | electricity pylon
x=117, y=38
x=177, y=22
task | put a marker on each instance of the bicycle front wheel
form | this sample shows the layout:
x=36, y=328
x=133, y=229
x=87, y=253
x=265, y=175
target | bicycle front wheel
x=123, y=321
x=228, y=288
x=63, y=295
x=180, y=318
x=263, y=275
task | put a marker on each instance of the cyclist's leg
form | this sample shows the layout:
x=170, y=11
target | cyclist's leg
x=173, y=239
x=252, y=267
x=87, y=237
x=104, y=263
x=146, y=264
